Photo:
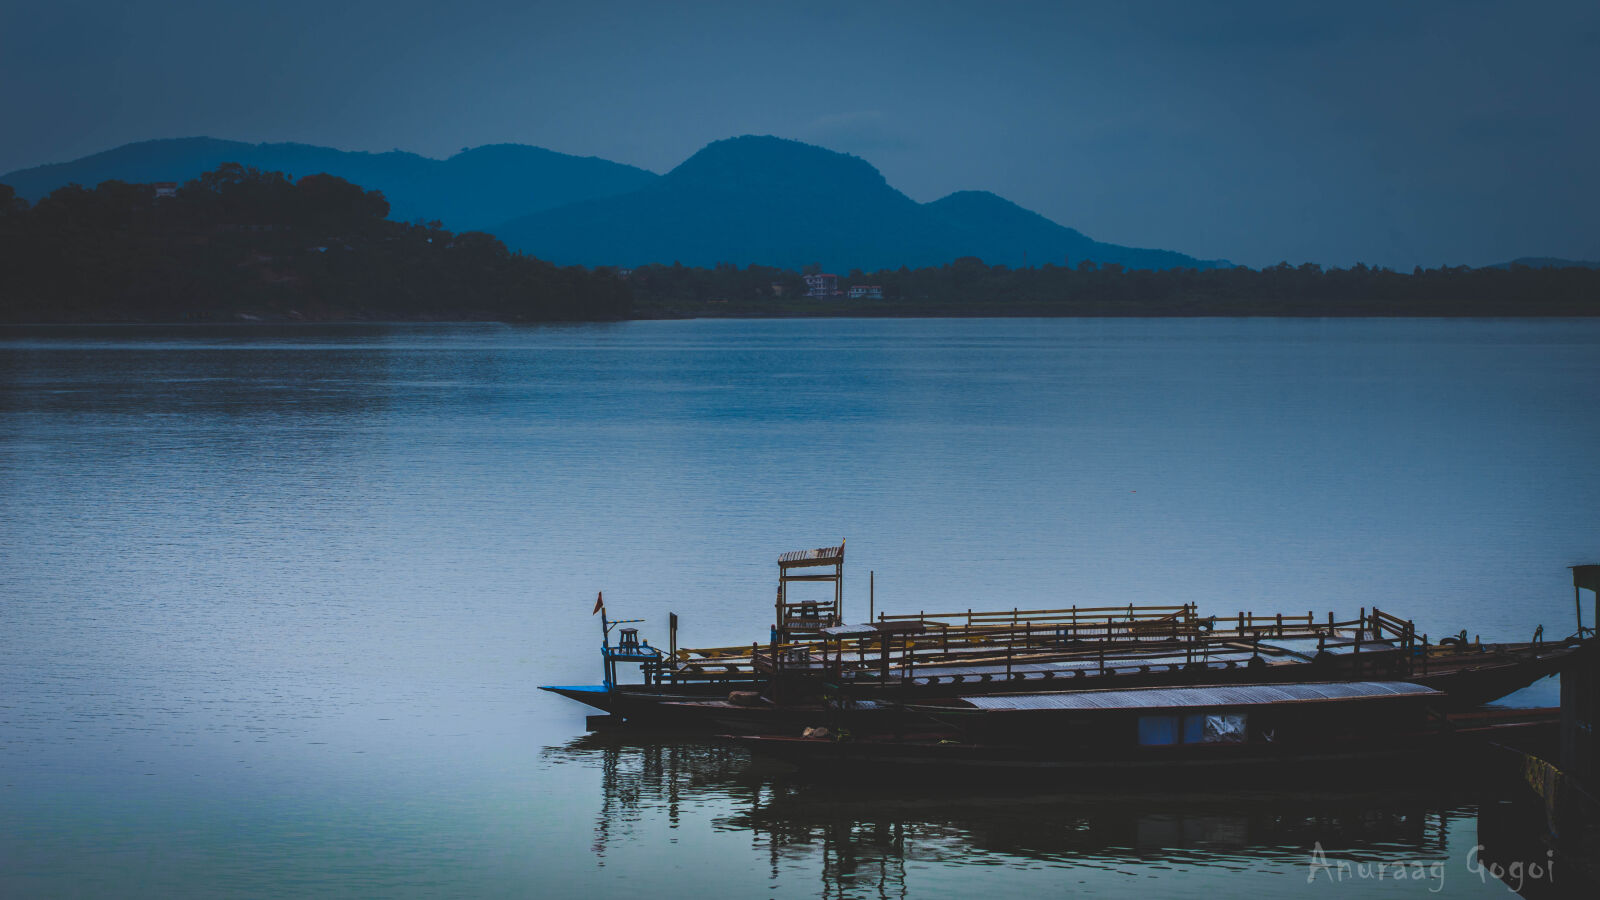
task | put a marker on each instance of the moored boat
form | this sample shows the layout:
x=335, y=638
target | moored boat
x=814, y=667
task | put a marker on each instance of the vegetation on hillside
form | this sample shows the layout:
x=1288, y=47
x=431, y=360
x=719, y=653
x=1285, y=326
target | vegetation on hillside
x=473, y=190
x=241, y=243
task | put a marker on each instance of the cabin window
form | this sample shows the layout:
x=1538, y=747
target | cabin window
x=1214, y=728
x=1158, y=731
x=1199, y=728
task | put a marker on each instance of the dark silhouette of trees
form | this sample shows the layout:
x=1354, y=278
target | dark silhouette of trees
x=969, y=287
x=237, y=242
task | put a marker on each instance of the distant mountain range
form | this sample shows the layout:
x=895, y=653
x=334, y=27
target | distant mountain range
x=474, y=190
x=784, y=203
x=744, y=200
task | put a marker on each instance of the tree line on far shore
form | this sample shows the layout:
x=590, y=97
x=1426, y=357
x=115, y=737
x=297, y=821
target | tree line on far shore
x=969, y=287
x=238, y=243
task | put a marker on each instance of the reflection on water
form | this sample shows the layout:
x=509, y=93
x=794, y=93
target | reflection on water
x=656, y=775
x=860, y=840
x=274, y=601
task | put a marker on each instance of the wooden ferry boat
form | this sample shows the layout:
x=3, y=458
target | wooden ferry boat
x=814, y=663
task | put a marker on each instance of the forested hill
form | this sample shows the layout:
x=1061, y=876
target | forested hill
x=238, y=243
x=472, y=190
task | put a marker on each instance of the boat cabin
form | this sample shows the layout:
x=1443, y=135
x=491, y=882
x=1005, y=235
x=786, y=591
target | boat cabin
x=1160, y=719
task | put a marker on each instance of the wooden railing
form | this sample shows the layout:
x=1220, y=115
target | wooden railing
x=1096, y=615
x=981, y=638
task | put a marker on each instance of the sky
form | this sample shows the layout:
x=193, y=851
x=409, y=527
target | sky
x=1393, y=133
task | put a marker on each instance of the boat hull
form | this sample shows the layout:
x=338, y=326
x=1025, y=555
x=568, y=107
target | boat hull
x=1468, y=680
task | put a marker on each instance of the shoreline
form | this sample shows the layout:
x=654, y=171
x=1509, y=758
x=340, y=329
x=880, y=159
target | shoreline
x=309, y=323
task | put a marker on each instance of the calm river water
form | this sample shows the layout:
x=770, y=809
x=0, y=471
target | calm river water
x=276, y=600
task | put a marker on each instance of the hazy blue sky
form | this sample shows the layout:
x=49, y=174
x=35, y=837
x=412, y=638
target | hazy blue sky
x=1393, y=133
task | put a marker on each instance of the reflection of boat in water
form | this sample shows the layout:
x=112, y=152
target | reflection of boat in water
x=817, y=669
x=1060, y=826
x=641, y=775
x=859, y=838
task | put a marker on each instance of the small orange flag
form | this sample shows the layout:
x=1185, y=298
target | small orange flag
x=599, y=602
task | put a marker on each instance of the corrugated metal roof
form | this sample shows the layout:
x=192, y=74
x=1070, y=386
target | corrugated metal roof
x=1209, y=695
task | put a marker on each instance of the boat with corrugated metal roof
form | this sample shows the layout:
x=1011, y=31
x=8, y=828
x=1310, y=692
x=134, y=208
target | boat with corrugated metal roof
x=817, y=668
